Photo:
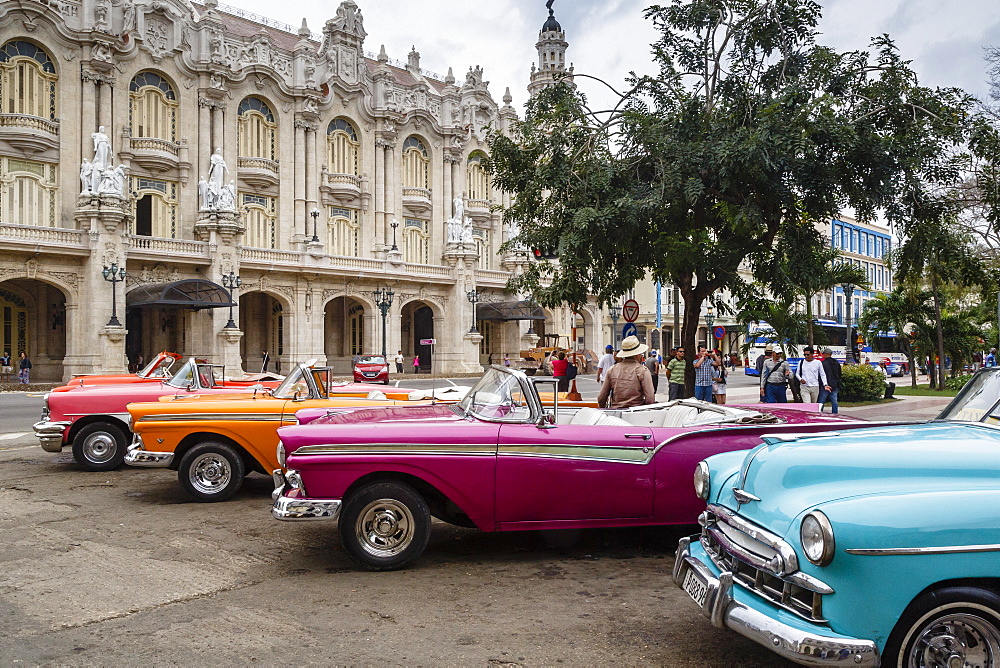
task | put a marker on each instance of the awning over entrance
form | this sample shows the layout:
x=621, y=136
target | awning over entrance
x=522, y=310
x=192, y=293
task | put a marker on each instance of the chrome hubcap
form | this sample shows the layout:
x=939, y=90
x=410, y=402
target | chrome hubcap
x=958, y=640
x=210, y=473
x=384, y=528
x=100, y=447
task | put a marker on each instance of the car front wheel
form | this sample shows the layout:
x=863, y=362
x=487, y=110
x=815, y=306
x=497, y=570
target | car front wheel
x=211, y=471
x=956, y=626
x=384, y=526
x=99, y=446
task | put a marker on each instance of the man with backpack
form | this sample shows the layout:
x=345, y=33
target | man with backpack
x=774, y=379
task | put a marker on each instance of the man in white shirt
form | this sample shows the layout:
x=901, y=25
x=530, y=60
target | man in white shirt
x=606, y=362
x=399, y=362
x=812, y=377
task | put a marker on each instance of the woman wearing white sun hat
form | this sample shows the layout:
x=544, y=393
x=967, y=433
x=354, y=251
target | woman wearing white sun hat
x=629, y=382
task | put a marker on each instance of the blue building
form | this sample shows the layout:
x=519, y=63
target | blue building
x=866, y=245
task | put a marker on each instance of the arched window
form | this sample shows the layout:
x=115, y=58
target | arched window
x=152, y=110
x=13, y=324
x=258, y=130
x=28, y=193
x=417, y=241
x=344, y=232
x=477, y=179
x=416, y=164
x=27, y=80
x=155, y=208
x=342, y=148
x=356, y=326
x=262, y=221
x=483, y=247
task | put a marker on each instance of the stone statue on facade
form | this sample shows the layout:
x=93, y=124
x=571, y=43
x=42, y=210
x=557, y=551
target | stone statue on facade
x=86, y=172
x=102, y=157
x=214, y=193
x=227, y=197
x=128, y=23
x=113, y=181
x=467, y=231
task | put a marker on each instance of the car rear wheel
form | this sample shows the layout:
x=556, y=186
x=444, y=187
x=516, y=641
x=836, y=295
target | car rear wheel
x=211, y=471
x=384, y=525
x=99, y=446
x=957, y=626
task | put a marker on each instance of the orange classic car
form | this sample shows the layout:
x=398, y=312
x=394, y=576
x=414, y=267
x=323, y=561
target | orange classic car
x=213, y=442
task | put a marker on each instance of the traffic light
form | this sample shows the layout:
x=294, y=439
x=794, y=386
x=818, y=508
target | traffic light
x=546, y=253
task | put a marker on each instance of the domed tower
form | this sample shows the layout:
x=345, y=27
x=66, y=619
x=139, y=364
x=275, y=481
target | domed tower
x=551, y=46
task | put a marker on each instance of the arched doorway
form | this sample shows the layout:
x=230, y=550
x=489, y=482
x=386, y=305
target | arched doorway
x=344, y=332
x=265, y=323
x=418, y=325
x=33, y=319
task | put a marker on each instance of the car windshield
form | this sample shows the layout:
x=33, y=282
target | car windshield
x=158, y=368
x=294, y=383
x=497, y=396
x=186, y=375
x=371, y=359
x=977, y=402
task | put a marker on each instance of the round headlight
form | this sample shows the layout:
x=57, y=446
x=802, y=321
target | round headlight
x=816, y=534
x=281, y=454
x=702, y=480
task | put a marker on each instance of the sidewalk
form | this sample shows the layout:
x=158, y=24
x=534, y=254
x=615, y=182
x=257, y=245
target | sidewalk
x=907, y=408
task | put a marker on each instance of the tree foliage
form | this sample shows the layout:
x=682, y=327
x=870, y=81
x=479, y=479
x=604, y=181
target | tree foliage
x=749, y=127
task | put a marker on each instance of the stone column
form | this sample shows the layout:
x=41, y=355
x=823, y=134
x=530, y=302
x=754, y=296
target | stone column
x=204, y=138
x=312, y=190
x=392, y=192
x=300, y=176
x=218, y=134
x=105, y=112
x=88, y=113
x=380, y=194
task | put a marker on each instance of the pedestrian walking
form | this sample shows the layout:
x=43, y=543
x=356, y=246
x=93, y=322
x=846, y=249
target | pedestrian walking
x=704, y=368
x=399, y=362
x=5, y=367
x=832, y=369
x=24, y=369
x=812, y=377
x=719, y=382
x=653, y=364
x=416, y=364
x=506, y=359
x=991, y=359
x=675, y=375
x=763, y=357
x=628, y=383
x=264, y=359
x=774, y=379
x=606, y=362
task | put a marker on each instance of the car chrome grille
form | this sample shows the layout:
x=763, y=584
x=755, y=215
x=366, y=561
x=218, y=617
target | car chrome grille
x=750, y=560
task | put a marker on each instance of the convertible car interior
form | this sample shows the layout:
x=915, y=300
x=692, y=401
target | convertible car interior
x=679, y=413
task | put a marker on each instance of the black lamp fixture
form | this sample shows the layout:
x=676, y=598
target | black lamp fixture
x=383, y=299
x=315, y=214
x=710, y=318
x=473, y=297
x=394, y=224
x=231, y=281
x=113, y=275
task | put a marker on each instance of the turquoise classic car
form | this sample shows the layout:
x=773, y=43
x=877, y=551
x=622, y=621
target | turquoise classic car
x=878, y=546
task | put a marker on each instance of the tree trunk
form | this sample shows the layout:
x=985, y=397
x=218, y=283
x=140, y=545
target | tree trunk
x=940, y=334
x=848, y=298
x=910, y=360
x=809, y=321
x=693, y=298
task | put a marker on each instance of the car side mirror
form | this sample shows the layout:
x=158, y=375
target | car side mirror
x=546, y=421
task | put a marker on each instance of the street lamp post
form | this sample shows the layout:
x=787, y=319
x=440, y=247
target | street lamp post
x=615, y=312
x=383, y=299
x=473, y=296
x=394, y=224
x=709, y=321
x=113, y=275
x=315, y=214
x=231, y=281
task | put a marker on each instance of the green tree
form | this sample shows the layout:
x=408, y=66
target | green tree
x=901, y=311
x=750, y=125
x=784, y=324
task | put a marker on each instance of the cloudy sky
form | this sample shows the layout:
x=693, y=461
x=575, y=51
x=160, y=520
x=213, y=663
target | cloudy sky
x=608, y=38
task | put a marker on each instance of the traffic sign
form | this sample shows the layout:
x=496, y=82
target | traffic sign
x=629, y=329
x=428, y=342
x=719, y=332
x=630, y=310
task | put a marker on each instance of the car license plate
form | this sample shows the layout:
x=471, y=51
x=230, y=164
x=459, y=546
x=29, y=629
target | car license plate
x=370, y=375
x=695, y=588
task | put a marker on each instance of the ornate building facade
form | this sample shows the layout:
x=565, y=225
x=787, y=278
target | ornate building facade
x=222, y=158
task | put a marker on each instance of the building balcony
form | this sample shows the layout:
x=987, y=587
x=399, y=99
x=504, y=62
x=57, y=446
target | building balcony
x=346, y=190
x=417, y=201
x=55, y=240
x=479, y=210
x=155, y=248
x=152, y=153
x=258, y=172
x=33, y=134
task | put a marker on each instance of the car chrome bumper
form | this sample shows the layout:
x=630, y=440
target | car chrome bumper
x=136, y=455
x=50, y=434
x=291, y=504
x=808, y=644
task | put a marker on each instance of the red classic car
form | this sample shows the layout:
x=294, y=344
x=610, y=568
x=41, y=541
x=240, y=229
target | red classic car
x=500, y=460
x=371, y=369
x=94, y=419
x=155, y=371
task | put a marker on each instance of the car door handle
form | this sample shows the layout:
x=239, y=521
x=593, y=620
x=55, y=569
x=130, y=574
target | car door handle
x=644, y=437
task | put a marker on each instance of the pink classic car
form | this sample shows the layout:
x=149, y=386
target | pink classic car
x=154, y=372
x=94, y=420
x=501, y=461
